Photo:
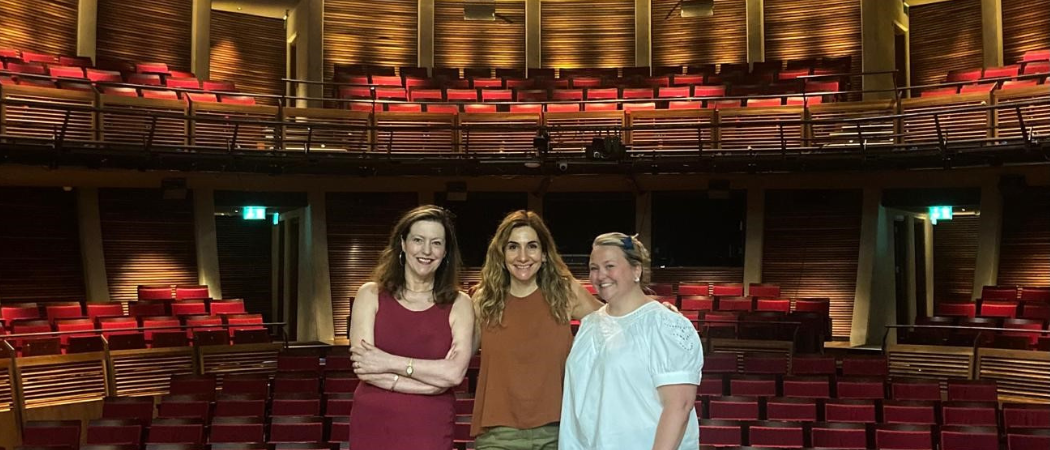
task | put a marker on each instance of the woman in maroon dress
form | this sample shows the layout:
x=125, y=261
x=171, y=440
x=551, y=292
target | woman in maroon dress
x=410, y=338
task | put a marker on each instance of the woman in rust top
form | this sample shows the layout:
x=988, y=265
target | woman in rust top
x=523, y=305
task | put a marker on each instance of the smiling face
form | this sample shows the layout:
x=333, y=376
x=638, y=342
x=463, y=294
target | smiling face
x=523, y=254
x=424, y=247
x=611, y=274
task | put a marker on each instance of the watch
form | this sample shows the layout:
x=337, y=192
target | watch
x=409, y=370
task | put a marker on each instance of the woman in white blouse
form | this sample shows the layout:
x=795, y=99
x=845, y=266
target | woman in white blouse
x=634, y=367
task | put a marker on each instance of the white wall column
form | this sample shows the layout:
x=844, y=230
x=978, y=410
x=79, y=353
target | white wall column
x=315, y=287
x=207, y=241
x=532, y=34
x=756, y=31
x=643, y=33
x=871, y=227
x=989, y=233
x=425, y=44
x=992, y=32
x=200, y=44
x=92, y=256
x=87, y=28
x=754, y=234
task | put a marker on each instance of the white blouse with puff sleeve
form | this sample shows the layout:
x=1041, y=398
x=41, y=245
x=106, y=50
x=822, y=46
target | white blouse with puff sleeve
x=616, y=363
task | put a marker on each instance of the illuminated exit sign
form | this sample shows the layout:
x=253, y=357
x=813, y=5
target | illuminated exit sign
x=254, y=213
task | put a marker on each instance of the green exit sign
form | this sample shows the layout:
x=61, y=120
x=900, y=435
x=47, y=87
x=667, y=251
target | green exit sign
x=253, y=213
x=938, y=213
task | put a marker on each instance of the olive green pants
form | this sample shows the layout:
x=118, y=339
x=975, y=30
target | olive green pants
x=506, y=438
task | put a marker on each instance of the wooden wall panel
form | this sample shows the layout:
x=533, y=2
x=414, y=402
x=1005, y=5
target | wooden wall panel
x=954, y=258
x=146, y=240
x=473, y=43
x=40, y=27
x=245, y=262
x=250, y=51
x=358, y=228
x=944, y=36
x=721, y=38
x=587, y=33
x=811, y=246
x=799, y=29
x=153, y=31
x=380, y=33
x=1024, y=252
x=40, y=246
x=1026, y=26
x=673, y=275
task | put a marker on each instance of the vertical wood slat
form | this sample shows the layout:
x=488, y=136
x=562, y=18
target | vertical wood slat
x=245, y=262
x=146, y=240
x=40, y=27
x=472, y=43
x=944, y=36
x=811, y=248
x=1026, y=26
x=360, y=32
x=249, y=51
x=799, y=29
x=587, y=33
x=40, y=247
x=721, y=38
x=954, y=258
x=358, y=228
x=154, y=31
x=1024, y=254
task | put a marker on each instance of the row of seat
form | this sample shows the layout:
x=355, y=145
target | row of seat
x=65, y=434
x=760, y=434
x=775, y=82
x=53, y=311
x=918, y=412
x=818, y=64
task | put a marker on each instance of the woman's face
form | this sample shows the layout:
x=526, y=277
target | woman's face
x=523, y=254
x=424, y=247
x=610, y=272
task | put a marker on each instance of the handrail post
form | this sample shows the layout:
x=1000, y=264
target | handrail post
x=1020, y=123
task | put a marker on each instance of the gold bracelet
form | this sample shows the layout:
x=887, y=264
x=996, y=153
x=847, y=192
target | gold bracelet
x=396, y=377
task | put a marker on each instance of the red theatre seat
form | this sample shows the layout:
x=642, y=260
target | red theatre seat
x=51, y=433
x=776, y=434
x=973, y=390
x=296, y=429
x=967, y=438
x=239, y=405
x=840, y=435
x=791, y=409
x=693, y=289
x=114, y=432
x=852, y=411
x=154, y=292
x=176, y=431
x=728, y=290
x=957, y=309
x=904, y=437
x=971, y=414
x=721, y=433
x=999, y=293
x=237, y=429
x=1025, y=415
x=1027, y=439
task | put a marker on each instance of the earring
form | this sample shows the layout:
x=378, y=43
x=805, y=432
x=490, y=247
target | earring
x=637, y=279
x=401, y=258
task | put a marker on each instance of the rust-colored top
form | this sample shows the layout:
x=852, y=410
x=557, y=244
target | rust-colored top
x=522, y=367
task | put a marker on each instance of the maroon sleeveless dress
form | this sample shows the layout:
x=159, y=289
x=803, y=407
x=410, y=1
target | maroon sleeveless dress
x=386, y=420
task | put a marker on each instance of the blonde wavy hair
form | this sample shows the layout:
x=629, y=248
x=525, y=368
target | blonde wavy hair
x=553, y=278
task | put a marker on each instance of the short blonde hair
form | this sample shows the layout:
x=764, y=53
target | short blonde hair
x=633, y=250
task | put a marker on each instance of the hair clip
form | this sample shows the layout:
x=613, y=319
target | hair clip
x=628, y=243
